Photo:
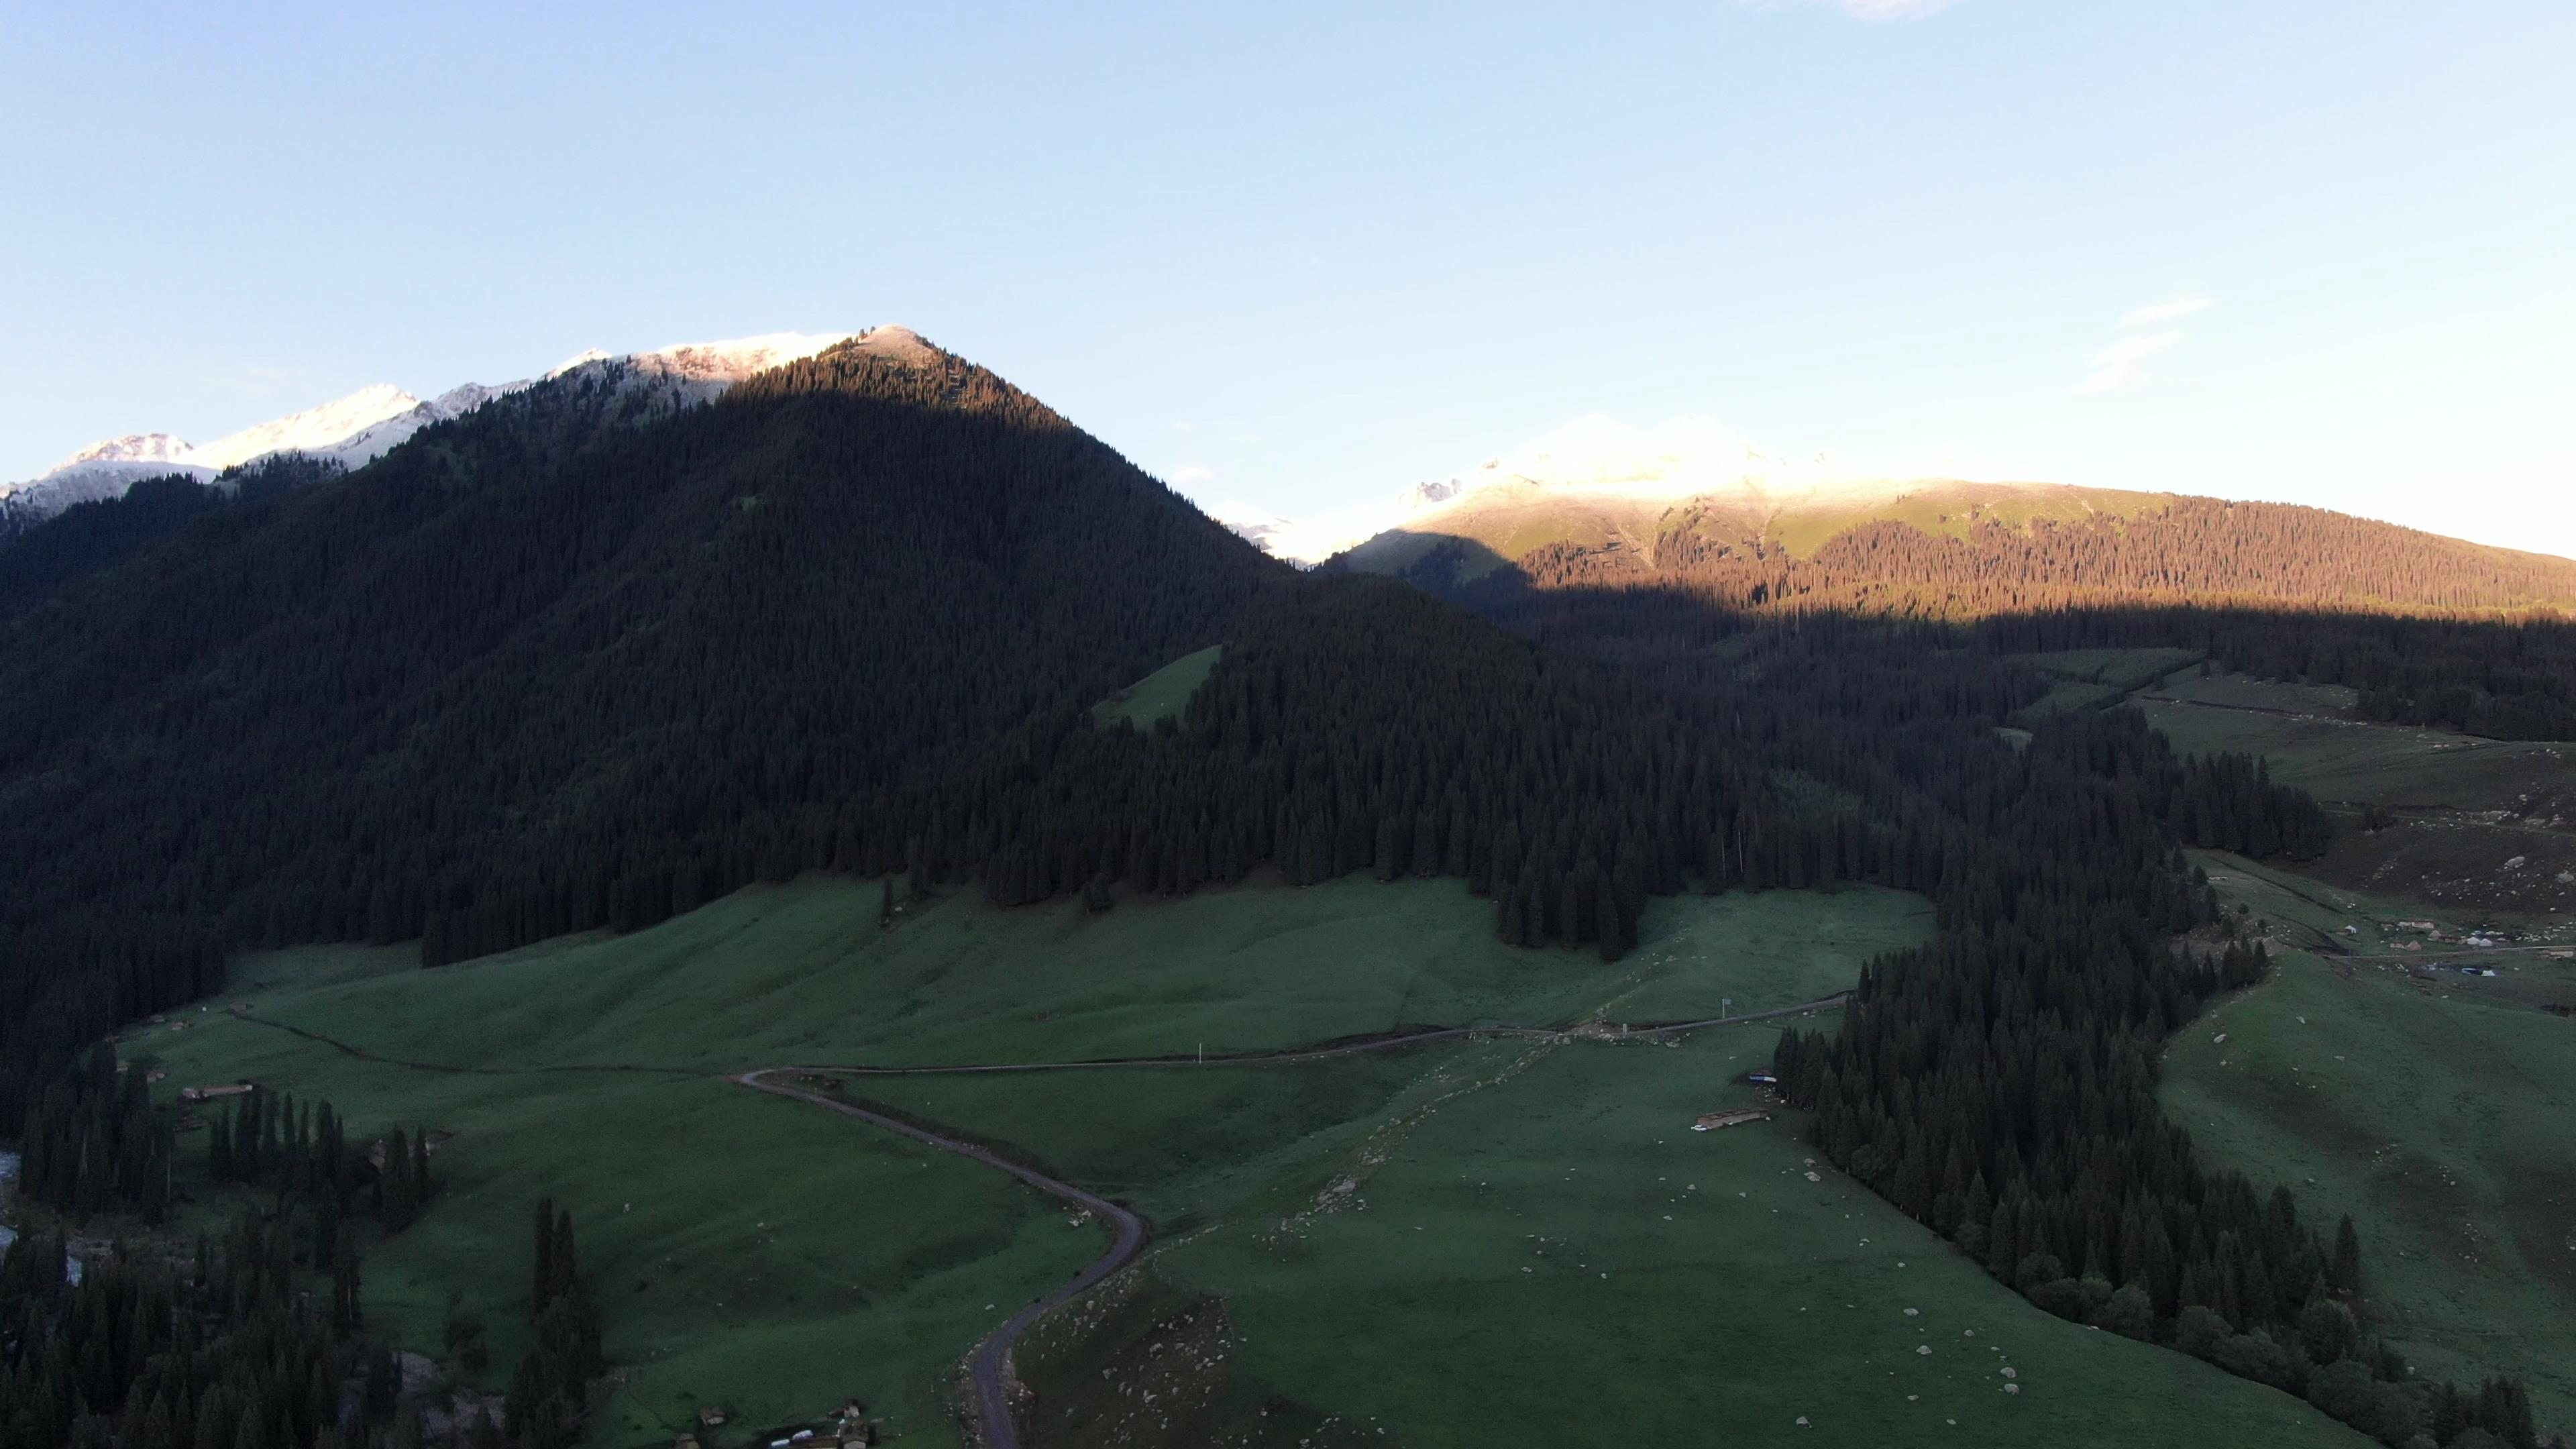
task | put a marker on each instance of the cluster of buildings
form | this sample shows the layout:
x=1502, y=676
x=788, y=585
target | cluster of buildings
x=849, y=1430
x=1715, y=1121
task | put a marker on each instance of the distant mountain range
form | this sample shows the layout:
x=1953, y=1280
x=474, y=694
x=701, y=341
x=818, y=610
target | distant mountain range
x=355, y=430
x=1602, y=503
x=1605, y=469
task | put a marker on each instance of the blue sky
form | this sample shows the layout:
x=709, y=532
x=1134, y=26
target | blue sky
x=1307, y=255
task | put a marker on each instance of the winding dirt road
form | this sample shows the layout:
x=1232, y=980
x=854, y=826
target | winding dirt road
x=989, y=1368
x=1387, y=1042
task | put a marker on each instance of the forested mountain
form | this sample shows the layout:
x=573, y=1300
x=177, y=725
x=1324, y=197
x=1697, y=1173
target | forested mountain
x=2410, y=619
x=352, y=431
x=2204, y=550
x=530, y=656
x=587, y=657
x=1688, y=502
x=41, y=559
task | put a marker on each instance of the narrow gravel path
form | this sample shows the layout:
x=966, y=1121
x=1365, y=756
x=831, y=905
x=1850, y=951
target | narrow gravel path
x=1389, y=1042
x=990, y=1368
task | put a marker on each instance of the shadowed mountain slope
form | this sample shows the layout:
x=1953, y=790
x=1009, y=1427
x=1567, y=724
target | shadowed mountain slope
x=551, y=640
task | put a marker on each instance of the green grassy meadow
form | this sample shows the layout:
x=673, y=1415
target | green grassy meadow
x=2433, y=1107
x=2336, y=759
x=743, y=1253
x=766, y=1256
x=2097, y=678
x=1528, y=1244
x=2437, y=1114
x=2124, y=669
x=1449, y=1244
x=2471, y=828
x=1161, y=694
x=801, y=973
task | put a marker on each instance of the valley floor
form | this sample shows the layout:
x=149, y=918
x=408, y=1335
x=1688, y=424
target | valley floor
x=1440, y=1245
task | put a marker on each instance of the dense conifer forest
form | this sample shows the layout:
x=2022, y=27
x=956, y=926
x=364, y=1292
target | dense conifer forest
x=39, y=557
x=259, y=1342
x=2206, y=550
x=529, y=674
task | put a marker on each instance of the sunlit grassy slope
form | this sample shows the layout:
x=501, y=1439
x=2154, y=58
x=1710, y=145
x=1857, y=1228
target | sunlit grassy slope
x=1951, y=508
x=1508, y=520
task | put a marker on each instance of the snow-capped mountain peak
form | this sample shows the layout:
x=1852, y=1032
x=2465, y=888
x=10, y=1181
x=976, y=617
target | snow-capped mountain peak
x=311, y=431
x=738, y=359
x=357, y=429
x=132, y=448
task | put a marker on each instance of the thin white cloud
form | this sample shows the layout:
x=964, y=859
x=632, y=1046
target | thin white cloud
x=1189, y=473
x=2119, y=364
x=2166, y=311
